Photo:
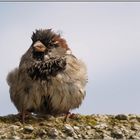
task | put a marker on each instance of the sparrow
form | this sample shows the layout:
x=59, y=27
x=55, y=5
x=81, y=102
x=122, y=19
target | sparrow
x=49, y=78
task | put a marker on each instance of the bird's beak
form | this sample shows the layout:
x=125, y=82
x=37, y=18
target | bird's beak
x=39, y=47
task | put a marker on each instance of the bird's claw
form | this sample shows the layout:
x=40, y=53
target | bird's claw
x=23, y=115
x=69, y=115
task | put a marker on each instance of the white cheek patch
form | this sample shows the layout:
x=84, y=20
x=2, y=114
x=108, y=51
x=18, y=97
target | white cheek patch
x=46, y=57
x=49, y=53
x=68, y=52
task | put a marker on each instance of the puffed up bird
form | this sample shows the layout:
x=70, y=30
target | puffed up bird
x=49, y=78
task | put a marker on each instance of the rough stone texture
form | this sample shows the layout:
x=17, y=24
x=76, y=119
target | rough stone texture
x=96, y=126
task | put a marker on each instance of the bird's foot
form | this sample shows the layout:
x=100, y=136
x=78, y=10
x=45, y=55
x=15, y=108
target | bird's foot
x=23, y=115
x=69, y=115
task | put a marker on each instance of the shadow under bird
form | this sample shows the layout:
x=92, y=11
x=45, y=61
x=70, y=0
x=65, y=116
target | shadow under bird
x=49, y=78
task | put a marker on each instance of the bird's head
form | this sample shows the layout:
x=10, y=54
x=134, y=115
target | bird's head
x=47, y=43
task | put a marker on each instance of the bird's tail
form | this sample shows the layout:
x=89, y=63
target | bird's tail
x=12, y=77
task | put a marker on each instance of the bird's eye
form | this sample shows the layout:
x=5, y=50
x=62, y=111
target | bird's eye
x=54, y=45
x=49, y=50
x=51, y=46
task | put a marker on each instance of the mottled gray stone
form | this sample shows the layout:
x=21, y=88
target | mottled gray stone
x=28, y=128
x=98, y=136
x=68, y=129
x=121, y=117
x=15, y=137
x=76, y=128
x=42, y=132
x=135, y=127
x=88, y=127
x=101, y=126
x=90, y=132
x=117, y=134
x=18, y=123
x=138, y=117
x=53, y=132
x=134, y=137
x=85, y=136
x=14, y=127
x=75, y=136
x=69, y=138
x=107, y=137
x=131, y=116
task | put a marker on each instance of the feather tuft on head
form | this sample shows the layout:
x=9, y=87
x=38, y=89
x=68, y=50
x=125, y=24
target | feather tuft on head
x=49, y=38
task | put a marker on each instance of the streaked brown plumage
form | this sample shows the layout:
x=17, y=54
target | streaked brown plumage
x=49, y=79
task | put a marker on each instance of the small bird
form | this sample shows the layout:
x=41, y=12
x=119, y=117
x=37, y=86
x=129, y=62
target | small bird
x=49, y=78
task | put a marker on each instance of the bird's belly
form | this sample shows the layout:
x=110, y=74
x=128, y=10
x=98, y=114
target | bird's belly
x=65, y=94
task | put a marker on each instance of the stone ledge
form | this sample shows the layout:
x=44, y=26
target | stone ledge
x=80, y=127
